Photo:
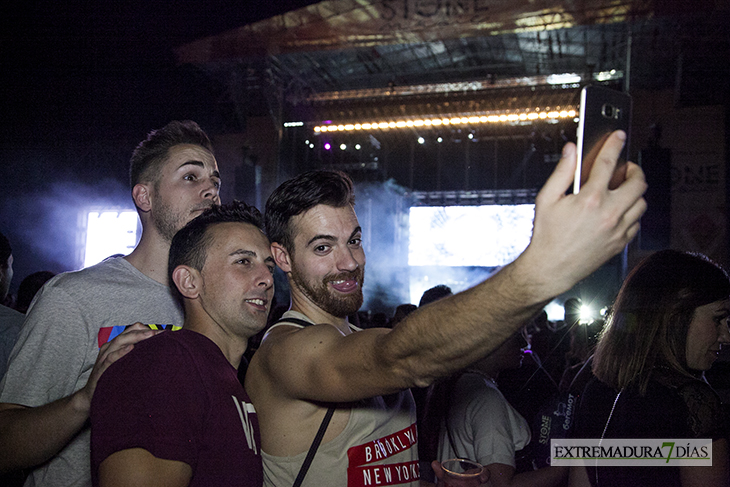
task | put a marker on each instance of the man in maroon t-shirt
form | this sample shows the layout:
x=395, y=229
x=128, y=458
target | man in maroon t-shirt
x=172, y=410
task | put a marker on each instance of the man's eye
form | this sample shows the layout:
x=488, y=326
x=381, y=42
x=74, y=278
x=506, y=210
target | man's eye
x=217, y=184
x=190, y=177
x=356, y=241
x=320, y=248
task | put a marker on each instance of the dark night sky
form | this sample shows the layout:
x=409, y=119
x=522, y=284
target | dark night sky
x=104, y=66
x=77, y=74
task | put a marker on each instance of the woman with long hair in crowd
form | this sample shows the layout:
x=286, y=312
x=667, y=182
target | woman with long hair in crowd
x=666, y=328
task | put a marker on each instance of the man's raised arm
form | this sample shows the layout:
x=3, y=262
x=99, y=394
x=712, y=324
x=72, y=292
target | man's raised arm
x=573, y=235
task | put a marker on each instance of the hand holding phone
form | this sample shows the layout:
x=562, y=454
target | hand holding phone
x=602, y=111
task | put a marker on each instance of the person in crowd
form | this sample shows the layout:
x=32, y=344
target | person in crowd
x=434, y=294
x=556, y=360
x=401, y=311
x=525, y=388
x=476, y=422
x=427, y=444
x=314, y=372
x=29, y=287
x=583, y=340
x=531, y=391
x=172, y=411
x=666, y=328
x=62, y=349
x=573, y=333
x=10, y=320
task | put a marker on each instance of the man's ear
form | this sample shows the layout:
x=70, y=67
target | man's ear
x=187, y=281
x=281, y=256
x=141, y=194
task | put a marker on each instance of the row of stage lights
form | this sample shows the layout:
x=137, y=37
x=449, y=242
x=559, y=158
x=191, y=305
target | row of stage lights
x=328, y=146
x=553, y=115
x=420, y=140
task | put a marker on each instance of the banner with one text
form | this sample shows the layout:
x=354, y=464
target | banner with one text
x=653, y=452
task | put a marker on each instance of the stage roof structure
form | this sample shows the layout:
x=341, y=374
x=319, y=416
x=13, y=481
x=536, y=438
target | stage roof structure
x=337, y=49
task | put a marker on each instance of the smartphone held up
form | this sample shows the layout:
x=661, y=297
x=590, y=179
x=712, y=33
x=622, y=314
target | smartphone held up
x=602, y=111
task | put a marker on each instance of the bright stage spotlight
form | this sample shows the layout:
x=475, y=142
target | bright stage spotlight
x=587, y=315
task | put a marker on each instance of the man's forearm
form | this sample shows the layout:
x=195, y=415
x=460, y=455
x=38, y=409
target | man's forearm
x=31, y=436
x=137, y=467
x=456, y=331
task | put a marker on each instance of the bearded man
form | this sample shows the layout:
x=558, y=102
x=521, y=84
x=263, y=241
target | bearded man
x=314, y=365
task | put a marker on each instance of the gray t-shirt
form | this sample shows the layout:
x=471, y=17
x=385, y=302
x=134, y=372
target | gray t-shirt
x=60, y=340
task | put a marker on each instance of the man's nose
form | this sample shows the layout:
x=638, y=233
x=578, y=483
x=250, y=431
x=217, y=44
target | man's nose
x=347, y=261
x=211, y=191
x=265, y=278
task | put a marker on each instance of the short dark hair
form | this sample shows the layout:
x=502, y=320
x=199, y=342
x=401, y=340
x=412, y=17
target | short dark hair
x=648, y=324
x=190, y=244
x=297, y=195
x=5, y=250
x=151, y=152
x=434, y=294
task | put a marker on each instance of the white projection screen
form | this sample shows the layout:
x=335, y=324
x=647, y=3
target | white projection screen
x=461, y=245
x=473, y=236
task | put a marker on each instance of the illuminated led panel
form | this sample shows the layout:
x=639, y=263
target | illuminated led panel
x=109, y=233
x=478, y=236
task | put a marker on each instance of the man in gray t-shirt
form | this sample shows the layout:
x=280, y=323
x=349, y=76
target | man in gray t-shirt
x=79, y=323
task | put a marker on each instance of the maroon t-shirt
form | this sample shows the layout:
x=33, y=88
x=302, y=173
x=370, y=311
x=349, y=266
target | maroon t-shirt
x=176, y=396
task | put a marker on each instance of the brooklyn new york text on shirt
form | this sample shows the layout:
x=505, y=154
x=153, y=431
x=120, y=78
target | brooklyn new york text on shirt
x=360, y=472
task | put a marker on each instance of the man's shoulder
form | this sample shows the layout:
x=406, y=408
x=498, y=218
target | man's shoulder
x=297, y=329
x=110, y=281
x=179, y=340
x=155, y=354
x=290, y=322
x=477, y=386
x=160, y=370
x=110, y=271
x=287, y=339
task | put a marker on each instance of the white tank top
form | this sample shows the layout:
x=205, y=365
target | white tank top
x=378, y=447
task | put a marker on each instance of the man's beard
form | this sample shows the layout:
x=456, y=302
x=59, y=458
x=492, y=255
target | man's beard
x=167, y=221
x=339, y=305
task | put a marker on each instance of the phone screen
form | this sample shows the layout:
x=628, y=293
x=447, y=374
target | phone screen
x=602, y=111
